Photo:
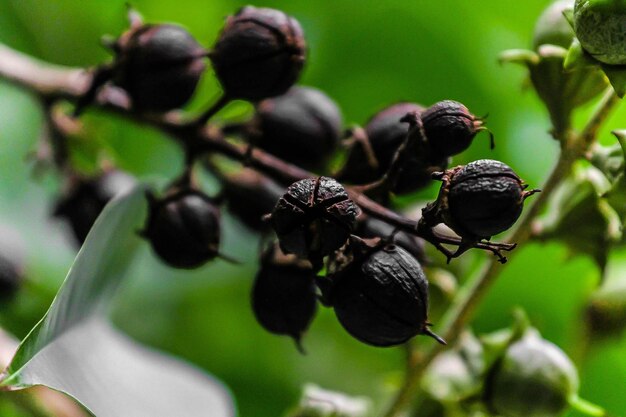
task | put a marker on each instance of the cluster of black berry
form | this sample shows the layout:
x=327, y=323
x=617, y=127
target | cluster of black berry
x=373, y=276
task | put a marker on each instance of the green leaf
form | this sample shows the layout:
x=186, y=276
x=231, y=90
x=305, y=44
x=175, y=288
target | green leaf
x=609, y=160
x=569, y=16
x=577, y=57
x=75, y=350
x=582, y=218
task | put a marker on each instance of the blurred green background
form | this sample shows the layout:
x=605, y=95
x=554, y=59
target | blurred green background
x=365, y=55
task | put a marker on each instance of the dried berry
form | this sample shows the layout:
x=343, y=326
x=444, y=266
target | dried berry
x=260, y=53
x=450, y=127
x=87, y=197
x=600, y=28
x=159, y=66
x=284, y=298
x=381, y=297
x=250, y=196
x=183, y=228
x=302, y=126
x=314, y=218
x=480, y=199
x=534, y=378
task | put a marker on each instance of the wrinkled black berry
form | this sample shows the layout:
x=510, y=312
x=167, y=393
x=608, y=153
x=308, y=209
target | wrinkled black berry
x=534, y=378
x=384, y=134
x=284, y=298
x=302, y=126
x=87, y=197
x=250, y=196
x=481, y=199
x=381, y=298
x=259, y=54
x=159, y=66
x=314, y=217
x=450, y=127
x=183, y=228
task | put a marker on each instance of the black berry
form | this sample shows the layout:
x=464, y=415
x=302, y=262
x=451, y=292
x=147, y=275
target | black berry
x=480, y=199
x=86, y=198
x=302, y=126
x=250, y=196
x=159, y=66
x=183, y=228
x=10, y=278
x=314, y=217
x=384, y=134
x=284, y=298
x=381, y=298
x=260, y=53
x=450, y=127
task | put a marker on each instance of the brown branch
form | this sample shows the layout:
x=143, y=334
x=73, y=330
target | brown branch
x=47, y=80
x=55, y=82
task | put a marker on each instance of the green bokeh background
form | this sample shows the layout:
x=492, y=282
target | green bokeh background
x=365, y=55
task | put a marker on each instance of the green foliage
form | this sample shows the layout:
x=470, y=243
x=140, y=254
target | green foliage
x=364, y=56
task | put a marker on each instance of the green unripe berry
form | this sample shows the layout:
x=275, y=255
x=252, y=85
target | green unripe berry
x=600, y=26
x=552, y=28
x=534, y=378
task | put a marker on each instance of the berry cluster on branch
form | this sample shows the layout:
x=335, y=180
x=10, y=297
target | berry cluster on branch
x=331, y=234
x=318, y=219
